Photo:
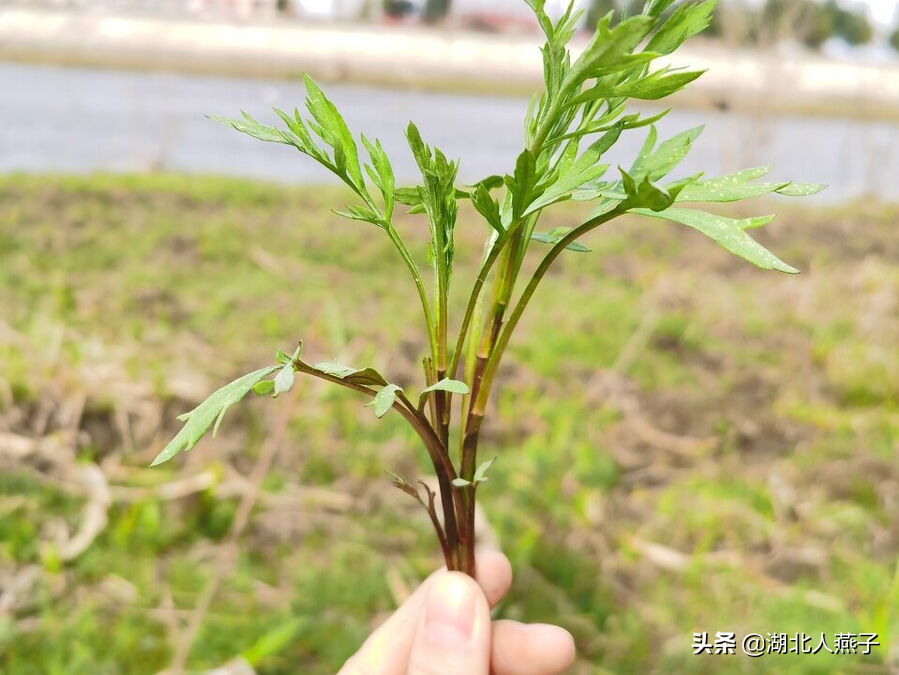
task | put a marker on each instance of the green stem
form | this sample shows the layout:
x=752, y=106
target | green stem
x=496, y=356
x=419, y=285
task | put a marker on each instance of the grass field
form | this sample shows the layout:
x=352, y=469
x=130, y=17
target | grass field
x=685, y=443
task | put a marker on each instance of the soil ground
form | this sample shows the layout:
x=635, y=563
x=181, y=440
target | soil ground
x=685, y=443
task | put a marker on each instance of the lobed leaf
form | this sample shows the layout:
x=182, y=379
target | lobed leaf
x=609, y=49
x=212, y=410
x=659, y=84
x=659, y=162
x=727, y=232
x=251, y=127
x=488, y=207
x=687, y=20
x=580, y=172
x=333, y=130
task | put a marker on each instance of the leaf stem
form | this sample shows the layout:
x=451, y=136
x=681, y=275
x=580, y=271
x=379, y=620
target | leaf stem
x=443, y=467
x=486, y=383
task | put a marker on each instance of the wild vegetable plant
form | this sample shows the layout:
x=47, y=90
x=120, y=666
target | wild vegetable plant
x=569, y=128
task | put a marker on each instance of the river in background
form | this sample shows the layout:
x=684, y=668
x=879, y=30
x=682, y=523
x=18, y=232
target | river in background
x=55, y=119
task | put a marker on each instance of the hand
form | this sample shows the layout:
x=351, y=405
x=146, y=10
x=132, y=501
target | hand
x=444, y=628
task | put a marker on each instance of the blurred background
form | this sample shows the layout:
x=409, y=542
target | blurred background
x=686, y=443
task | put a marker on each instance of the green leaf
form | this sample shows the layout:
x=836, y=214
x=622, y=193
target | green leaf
x=335, y=369
x=659, y=162
x=198, y=420
x=646, y=195
x=282, y=357
x=608, y=49
x=461, y=482
x=488, y=207
x=252, y=128
x=384, y=400
x=452, y=386
x=727, y=232
x=659, y=84
x=555, y=235
x=754, y=222
x=363, y=376
x=686, y=21
x=730, y=187
x=438, y=196
x=284, y=380
x=333, y=130
x=656, y=7
x=801, y=189
x=480, y=474
x=523, y=183
x=408, y=196
x=490, y=182
x=264, y=388
x=383, y=173
x=580, y=172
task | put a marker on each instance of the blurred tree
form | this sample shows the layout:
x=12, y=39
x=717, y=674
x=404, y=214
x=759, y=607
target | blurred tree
x=803, y=20
x=894, y=39
x=598, y=9
x=435, y=10
x=851, y=25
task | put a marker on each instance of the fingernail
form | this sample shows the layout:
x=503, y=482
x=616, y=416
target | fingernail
x=450, y=611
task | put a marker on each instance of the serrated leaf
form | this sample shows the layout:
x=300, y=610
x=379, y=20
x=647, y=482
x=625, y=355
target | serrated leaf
x=687, y=20
x=480, y=474
x=726, y=232
x=580, y=172
x=251, y=127
x=382, y=174
x=284, y=380
x=446, y=384
x=488, y=207
x=264, y=388
x=384, y=400
x=333, y=130
x=608, y=48
x=656, y=163
x=198, y=420
x=522, y=184
x=646, y=195
x=658, y=85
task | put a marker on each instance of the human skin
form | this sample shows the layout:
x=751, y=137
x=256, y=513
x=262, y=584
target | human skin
x=444, y=628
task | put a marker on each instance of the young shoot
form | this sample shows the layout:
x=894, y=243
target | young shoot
x=570, y=127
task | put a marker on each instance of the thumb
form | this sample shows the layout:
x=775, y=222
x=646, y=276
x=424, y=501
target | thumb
x=453, y=635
